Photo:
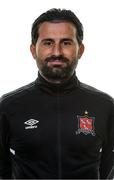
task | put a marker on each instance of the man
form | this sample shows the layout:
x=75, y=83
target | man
x=56, y=127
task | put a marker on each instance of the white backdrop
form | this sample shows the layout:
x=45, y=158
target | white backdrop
x=17, y=67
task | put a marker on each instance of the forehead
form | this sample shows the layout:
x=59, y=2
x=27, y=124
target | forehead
x=57, y=29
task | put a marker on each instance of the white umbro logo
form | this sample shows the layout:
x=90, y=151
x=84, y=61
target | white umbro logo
x=31, y=124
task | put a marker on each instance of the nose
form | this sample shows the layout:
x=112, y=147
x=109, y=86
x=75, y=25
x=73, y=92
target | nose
x=57, y=50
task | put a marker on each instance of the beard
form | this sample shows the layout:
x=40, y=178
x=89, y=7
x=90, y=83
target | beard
x=57, y=72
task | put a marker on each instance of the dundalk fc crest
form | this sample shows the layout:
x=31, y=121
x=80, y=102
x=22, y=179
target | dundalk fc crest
x=86, y=124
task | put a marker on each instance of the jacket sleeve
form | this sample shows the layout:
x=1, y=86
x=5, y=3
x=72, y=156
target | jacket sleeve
x=5, y=161
x=107, y=158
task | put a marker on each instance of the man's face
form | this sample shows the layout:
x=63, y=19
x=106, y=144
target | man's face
x=57, y=50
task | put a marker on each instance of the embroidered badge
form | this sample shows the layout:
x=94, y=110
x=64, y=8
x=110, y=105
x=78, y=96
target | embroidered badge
x=86, y=124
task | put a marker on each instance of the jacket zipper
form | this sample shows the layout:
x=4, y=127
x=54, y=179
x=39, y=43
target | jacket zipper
x=59, y=135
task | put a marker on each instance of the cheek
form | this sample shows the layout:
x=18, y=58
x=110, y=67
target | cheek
x=39, y=52
x=71, y=54
x=42, y=53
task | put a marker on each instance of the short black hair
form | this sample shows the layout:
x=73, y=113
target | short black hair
x=57, y=15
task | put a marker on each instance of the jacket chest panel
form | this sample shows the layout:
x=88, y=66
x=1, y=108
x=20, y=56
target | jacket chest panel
x=53, y=122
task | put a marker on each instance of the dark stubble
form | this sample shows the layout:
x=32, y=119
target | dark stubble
x=57, y=72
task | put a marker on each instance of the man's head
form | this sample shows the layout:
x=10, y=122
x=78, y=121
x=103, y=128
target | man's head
x=57, y=44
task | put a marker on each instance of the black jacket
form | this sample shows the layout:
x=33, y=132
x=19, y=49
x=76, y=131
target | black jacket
x=52, y=131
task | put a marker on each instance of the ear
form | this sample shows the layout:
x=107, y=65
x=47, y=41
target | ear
x=81, y=50
x=33, y=50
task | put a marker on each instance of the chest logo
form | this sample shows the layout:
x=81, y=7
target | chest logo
x=86, y=124
x=31, y=124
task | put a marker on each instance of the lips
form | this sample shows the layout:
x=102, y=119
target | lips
x=55, y=62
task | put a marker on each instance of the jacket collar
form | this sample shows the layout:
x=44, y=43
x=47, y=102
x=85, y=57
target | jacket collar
x=51, y=88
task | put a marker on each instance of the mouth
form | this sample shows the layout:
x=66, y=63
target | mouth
x=56, y=62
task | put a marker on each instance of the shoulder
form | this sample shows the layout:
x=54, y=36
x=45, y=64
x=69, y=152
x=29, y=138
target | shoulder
x=20, y=92
x=95, y=93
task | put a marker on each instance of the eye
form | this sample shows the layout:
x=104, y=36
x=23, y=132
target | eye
x=67, y=43
x=48, y=43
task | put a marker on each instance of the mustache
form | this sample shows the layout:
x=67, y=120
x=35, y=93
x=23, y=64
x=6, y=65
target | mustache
x=54, y=58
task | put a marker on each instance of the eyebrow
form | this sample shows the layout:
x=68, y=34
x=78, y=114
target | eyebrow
x=67, y=39
x=62, y=40
x=47, y=39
